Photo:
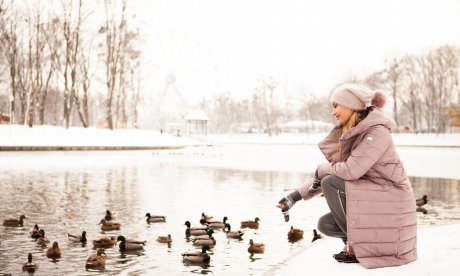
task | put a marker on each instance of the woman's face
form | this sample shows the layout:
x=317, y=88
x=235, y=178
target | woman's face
x=341, y=113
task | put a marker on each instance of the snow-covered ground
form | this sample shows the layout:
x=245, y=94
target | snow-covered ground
x=427, y=155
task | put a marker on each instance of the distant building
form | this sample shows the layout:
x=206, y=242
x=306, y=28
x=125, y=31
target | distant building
x=197, y=123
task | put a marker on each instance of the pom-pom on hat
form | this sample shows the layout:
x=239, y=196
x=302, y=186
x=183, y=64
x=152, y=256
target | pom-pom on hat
x=352, y=96
x=379, y=99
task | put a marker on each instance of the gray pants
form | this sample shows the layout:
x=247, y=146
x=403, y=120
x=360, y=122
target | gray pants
x=334, y=223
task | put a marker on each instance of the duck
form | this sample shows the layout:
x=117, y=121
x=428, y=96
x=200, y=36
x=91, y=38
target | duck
x=205, y=239
x=421, y=201
x=232, y=234
x=316, y=236
x=205, y=218
x=29, y=266
x=34, y=232
x=421, y=210
x=215, y=224
x=295, y=234
x=109, y=215
x=164, y=239
x=14, y=222
x=199, y=257
x=194, y=231
x=155, y=218
x=54, y=252
x=42, y=240
x=109, y=225
x=253, y=224
x=77, y=238
x=96, y=260
x=256, y=247
x=105, y=242
x=130, y=246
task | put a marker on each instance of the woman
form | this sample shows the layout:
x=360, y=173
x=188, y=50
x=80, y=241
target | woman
x=372, y=205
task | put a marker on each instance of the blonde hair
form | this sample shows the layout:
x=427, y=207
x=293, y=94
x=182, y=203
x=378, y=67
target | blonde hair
x=351, y=123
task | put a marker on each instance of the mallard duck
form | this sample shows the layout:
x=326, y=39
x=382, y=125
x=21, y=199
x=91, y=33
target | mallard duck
x=105, y=242
x=205, y=218
x=421, y=210
x=215, y=224
x=30, y=266
x=210, y=240
x=295, y=234
x=194, y=231
x=197, y=256
x=421, y=201
x=34, y=232
x=109, y=225
x=77, y=238
x=109, y=215
x=232, y=234
x=253, y=224
x=54, y=252
x=256, y=247
x=130, y=246
x=97, y=259
x=155, y=218
x=316, y=236
x=14, y=222
x=42, y=240
x=164, y=239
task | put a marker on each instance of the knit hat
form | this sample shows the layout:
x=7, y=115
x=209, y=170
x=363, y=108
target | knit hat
x=357, y=97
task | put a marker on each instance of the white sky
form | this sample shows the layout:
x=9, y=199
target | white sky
x=221, y=45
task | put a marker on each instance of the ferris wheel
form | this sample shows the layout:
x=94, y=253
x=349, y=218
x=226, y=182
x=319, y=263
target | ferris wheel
x=181, y=68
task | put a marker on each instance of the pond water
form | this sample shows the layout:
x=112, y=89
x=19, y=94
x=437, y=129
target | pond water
x=69, y=192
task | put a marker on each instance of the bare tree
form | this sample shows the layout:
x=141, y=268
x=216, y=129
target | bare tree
x=264, y=95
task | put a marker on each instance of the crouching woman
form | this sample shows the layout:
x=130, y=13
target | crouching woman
x=371, y=201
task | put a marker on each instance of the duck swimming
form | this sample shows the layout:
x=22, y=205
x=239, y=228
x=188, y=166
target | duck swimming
x=232, y=234
x=215, y=224
x=199, y=257
x=54, y=252
x=164, y=239
x=155, y=218
x=14, y=222
x=34, y=232
x=130, y=246
x=195, y=231
x=109, y=225
x=295, y=234
x=253, y=224
x=256, y=247
x=105, y=242
x=316, y=236
x=205, y=218
x=77, y=238
x=42, y=240
x=30, y=266
x=97, y=259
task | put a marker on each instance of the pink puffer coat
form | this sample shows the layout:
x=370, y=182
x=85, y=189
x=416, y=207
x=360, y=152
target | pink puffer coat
x=381, y=217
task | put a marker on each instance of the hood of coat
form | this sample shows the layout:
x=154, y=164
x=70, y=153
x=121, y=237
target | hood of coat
x=375, y=117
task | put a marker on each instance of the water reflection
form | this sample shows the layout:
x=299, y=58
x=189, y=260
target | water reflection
x=70, y=193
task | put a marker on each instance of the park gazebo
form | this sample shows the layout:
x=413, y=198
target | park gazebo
x=197, y=123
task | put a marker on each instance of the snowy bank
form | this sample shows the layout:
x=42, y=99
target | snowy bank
x=52, y=137
x=438, y=249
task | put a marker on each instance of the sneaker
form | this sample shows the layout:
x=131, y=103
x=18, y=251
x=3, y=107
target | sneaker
x=344, y=257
